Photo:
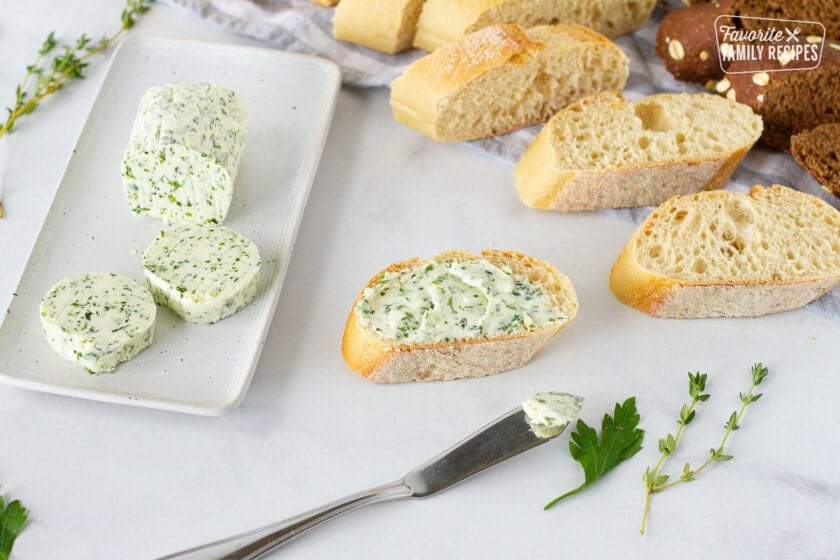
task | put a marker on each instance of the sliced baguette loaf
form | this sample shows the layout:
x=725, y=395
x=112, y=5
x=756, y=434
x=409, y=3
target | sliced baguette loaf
x=727, y=254
x=448, y=317
x=501, y=78
x=385, y=26
x=608, y=152
x=444, y=21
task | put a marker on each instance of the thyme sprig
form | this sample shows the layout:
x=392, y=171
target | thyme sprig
x=654, y=480
x=56, y=65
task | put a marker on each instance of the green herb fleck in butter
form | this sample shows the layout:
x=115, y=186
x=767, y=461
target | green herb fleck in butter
x=98, y=320
x=452, y=301
x=548, y=413
x=202, y=272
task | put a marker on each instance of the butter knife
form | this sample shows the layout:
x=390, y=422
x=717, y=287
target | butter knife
x=505, y=437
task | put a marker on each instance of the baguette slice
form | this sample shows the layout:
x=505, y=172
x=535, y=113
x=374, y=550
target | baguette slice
x=608, y=152
x=387, y=358
x=326, y=3
x=444, y=21
x=502, y=78
x=385, y=26
x=727, y=254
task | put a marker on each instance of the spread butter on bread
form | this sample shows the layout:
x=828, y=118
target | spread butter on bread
x=609, y=152
x=502, y=78
x=385, y=26
x=456, y=315
x=444, y=21
x=728, y=254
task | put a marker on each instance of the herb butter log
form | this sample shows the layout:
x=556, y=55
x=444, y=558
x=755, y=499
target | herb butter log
x=728, y=254
x=502, y=78
x=184, y=153
x=456, y=315
x=98, y=320
x=202, y=272
x=609, y=152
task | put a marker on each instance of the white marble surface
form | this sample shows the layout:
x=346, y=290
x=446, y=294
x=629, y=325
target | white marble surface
x=109, y=481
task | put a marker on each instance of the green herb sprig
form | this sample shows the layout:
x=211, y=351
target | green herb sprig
x=12, y=518
x=620, y=439
x=54, y=67
x=656, y=482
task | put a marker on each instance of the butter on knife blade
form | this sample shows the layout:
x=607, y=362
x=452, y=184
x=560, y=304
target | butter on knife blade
x=548, y=413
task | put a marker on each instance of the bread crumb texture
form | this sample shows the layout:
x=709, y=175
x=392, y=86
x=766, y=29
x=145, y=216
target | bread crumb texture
x=724, y=253
x=605, y=151
x=606, y=132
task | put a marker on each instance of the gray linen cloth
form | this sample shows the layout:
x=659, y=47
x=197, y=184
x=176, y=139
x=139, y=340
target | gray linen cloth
x=304, y=27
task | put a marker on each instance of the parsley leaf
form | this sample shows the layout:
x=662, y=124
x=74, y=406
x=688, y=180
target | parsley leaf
x=12, y=518
x=620, y=439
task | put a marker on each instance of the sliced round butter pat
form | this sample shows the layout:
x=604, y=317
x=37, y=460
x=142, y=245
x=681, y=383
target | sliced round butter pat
x=548, y=413
x=202, y=272
x=98, y=320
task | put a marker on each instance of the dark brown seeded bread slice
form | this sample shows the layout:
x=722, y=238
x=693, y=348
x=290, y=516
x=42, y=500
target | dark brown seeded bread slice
x=818, y=151
x=826, y=12
x=789, y=100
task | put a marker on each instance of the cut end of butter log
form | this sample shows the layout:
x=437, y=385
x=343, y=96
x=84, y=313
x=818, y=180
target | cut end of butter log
x=202, y=272
x=98, y=320
x=184, y=153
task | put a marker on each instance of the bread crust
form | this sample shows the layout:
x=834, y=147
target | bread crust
x=686, y=41
x=385, y=26
x=387, y=361
x=663, y=296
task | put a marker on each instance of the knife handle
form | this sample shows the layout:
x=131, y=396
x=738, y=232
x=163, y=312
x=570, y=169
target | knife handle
x=258, y=542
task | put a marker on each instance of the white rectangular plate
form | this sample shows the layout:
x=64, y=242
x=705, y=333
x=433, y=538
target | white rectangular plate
x=202, y=369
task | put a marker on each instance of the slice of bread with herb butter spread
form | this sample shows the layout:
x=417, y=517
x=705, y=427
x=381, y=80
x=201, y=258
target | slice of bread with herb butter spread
x=456, y=315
